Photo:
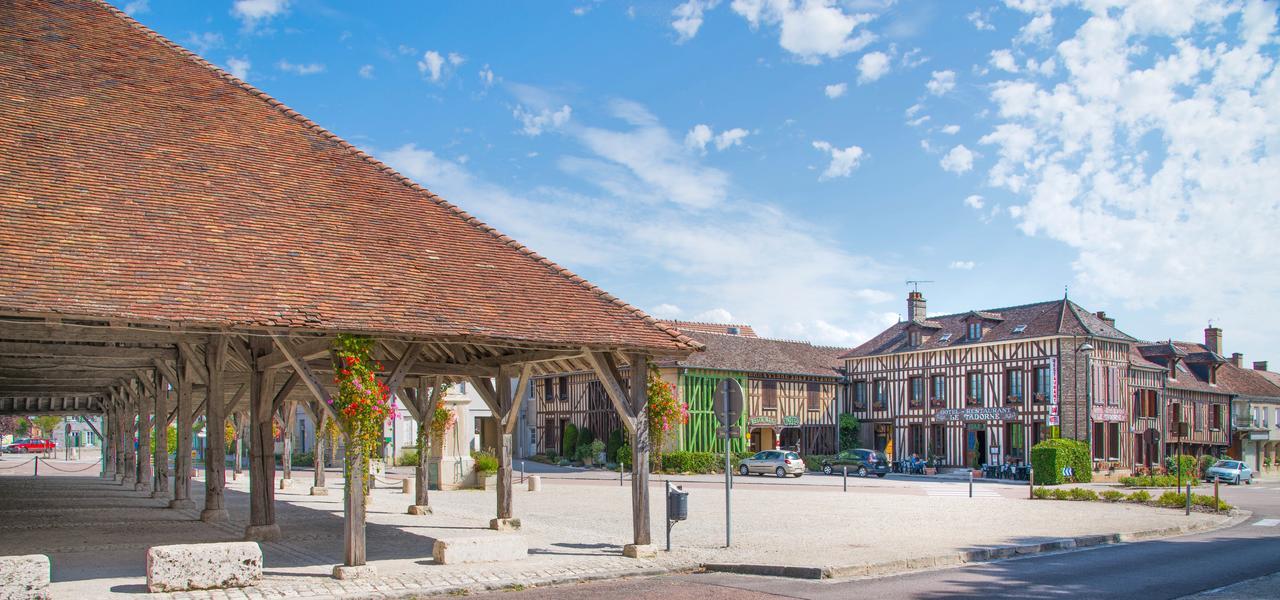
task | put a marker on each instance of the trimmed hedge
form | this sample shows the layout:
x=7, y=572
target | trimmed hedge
x=569, y=444
x=1155, y=481
x=1050, y=457
x=611, y=446
x=693, y=462
x=1166, y=500
x=485, y=461
x=1187, y=464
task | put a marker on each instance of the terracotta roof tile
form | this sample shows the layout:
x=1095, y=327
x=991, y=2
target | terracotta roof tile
x=139, y=182
x=762, y=355
x=743, y=329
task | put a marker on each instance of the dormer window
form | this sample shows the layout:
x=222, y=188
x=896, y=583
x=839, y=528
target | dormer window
x=975, y=331
x=1173, y=368
x=916, y=339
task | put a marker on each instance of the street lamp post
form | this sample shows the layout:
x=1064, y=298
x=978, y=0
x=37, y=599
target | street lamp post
x=1087, y=350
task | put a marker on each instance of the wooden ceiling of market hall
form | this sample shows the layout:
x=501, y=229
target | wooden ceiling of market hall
x=143, y=185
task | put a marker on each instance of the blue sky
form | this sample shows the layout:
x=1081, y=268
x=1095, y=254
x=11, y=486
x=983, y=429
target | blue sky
x=791, y=164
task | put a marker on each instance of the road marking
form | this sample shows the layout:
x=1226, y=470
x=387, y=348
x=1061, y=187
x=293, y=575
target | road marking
x=1267, y=523
x=959, y=490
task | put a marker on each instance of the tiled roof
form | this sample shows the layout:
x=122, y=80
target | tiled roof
x=139, y=182
x=743, y=329
x=762, y=355
x=1196, y=356
x=1056, y=317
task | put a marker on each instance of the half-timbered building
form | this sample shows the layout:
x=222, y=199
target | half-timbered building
x=791, y=394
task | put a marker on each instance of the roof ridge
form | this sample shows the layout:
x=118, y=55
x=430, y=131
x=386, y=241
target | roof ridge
x=706, y=323
x=387, y=169
x=1003, y=308
x=772, y=339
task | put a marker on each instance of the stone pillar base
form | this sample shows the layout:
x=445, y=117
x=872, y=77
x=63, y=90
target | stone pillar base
x=639, y=551
x=354, y=572
x=182, y=504
x=141, y=487
x=214, y=515
x=504, y=524
x=262, y=533
x=319, y=491
x=419, y=509
x=159, y=494
x=284, y=483
x=127, y=482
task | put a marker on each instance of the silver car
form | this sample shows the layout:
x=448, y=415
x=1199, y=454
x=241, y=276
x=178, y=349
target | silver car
x=777, y=462
x=1230, y=471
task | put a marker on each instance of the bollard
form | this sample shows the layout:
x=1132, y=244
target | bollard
x=535, y=483
x=1216, y=501
x=406, y=487
x=1188, y=497
x=522, y=471
x=971, y=483
x=846, y=477
x=37, y=461
x=620, y=473
x=1031, y=482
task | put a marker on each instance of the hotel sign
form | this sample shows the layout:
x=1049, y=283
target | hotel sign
x=1107, y=413
x=762, y=421
x=991, y=413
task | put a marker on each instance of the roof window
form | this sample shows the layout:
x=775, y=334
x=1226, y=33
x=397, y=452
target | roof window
x=946, y=337
x=1020, y=329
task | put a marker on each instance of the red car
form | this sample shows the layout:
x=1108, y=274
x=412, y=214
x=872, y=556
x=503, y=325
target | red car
x=32, y=445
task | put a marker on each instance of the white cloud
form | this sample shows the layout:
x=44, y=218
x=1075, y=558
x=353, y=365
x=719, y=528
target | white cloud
x=872, y=66
x=1154, y=155
x=254, y=12
x=872, y=296
x=715, y=315
x=958, y=160
x=456, y=59
x=843, y=160
x=431, y=65
x=1039, y=30
x=1003, y=59
x=950, y=129
x=980, y=21
x=300, y=69
x=366, y=71
x=666, y=311
x=962, y=265
x=486, y=76
x=812, y=29
x=534, y=123
x=202, y=43
x=688, y=18
x=137, y=7
x=701, y=135
x=239, y=67
x=941, y=82
x=974, y=201
x=835, y=90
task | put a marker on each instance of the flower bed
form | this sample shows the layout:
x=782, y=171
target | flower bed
x=1200, y=502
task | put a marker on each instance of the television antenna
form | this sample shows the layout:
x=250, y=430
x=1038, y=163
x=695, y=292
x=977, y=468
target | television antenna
x=915, y=283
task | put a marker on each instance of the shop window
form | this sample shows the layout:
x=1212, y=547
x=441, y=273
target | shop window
x=1099, y=441
x=1039, y=433
x=916, y=435
x=938, y=447
x=1043, y=383
x=1013, y=386
x=916, y=385
x=769, y=400
x=1113, y=441
x=860, y=395
x=1015, y=440
x=812, y=398
x=973, y=389
x=939, y=397
x=882, y=394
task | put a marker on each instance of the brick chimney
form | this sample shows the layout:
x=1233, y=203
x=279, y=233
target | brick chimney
x=1259, y=365
x=1237, y=359
x=1213, y=339
x=1102, y=315
x=915, y=307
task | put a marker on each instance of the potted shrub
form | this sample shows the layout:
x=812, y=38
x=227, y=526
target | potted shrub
x=486, y=469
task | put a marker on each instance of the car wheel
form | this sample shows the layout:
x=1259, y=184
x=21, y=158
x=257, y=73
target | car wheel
x=780, y=472
x=826, y=469
x=862, y=471
x=880, y=475
x=1249, y=481
x=744, y=471
x=798, y=475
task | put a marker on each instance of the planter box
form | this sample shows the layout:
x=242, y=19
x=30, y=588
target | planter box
x=930, y=471
x=486, y=481
x=977, y=473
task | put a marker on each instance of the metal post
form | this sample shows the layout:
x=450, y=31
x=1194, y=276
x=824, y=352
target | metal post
x=970, y=483
x=1188, y=497
x=668, y=514
x=845, y=477
x=620, y=473
x=728, y=476
x=1031, y=482
x=37, y=461
x=522, y=471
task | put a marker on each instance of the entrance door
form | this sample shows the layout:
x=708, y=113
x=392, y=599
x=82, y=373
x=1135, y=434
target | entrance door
x=790, y=439
x=884, y=433
x=975, y=449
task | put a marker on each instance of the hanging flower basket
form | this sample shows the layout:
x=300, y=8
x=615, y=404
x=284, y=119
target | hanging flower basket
x=362, y=404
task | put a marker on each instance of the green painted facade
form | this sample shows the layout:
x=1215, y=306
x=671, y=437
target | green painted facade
x=697, y=389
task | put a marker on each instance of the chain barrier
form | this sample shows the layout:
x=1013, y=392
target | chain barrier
x=50, y=465
x=21, y=465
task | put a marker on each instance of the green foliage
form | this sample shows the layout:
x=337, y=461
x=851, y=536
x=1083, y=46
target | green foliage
x=409, y=458
x=585, y=437
x=693, y=462
x=583, y=453
x=303, y=459
x=1083, y=494
x=1049, y=457
x=485, y=461
x=664, y=411
x=1207, y=502
x=848, y=431
x=47, y=424
x=1154, y=481
x=624, y=455
x=553, y=457
x=1112, y=495
x=813, y=462
x=1042, y=493
x=597, y=447
x=1184, y=463
x=1140, y=496
x=1060, y=494
x=615, y=442
x=1172, y=500
x=1206, y=461
x=23, y=429
x=569, y=442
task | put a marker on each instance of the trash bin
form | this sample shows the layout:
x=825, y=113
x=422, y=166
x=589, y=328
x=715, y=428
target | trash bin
x=677, y=505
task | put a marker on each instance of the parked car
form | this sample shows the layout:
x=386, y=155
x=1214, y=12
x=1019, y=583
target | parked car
x=1230, y=471
x=778, y=462
x=861, y=462
x=25, y=446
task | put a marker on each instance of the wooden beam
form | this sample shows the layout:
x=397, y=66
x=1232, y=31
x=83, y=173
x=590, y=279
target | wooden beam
x=307, y=376
x=75, y=362
x=169, y=373
x=63, y=332
x=606, y=372
x=508, y=423
x=285, y=389
x=396, y=380
x=524, y=357
x=235, y=398
x=312, y=348
x=145, y=379
x=66, y=350
x=484, y=387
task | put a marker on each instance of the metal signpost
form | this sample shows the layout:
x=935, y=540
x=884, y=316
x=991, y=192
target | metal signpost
x=727, y=408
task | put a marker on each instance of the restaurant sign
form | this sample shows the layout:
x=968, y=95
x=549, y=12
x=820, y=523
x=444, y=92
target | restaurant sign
x=790, y=421
x=762, y=421
x=986, y=413
x=1107, y=413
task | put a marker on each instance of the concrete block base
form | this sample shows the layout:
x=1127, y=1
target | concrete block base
x=142, y=487
x=182, y=504
x=357, y=572
x=504, y=524
x=640, y=551
x=285, y=483
x=419, y=509
x=262, y=533
x=480, y=549
x=184, y=567
x=24, y=576
x=535, y=483
x=214, y=515
x=319, y=491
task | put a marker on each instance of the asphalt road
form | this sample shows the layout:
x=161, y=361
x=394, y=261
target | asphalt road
x=1168, y=568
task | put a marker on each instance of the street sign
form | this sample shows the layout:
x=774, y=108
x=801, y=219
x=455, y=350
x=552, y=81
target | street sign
x=729, y=391
x=734, y=432
x=1053, y=420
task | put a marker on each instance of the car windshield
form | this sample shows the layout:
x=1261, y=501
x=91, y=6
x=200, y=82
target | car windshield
x=793, y=456
x=1227, y=464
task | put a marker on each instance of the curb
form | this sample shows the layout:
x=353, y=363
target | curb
x=898, y=567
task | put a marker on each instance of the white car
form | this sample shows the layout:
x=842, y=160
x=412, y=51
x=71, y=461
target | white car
x=1230, y=471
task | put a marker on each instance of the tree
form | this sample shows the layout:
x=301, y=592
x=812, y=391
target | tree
x=8, y=425
x=848, y=431
x=47, y=424
x=665, y=413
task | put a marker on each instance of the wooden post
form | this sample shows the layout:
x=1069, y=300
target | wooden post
x=215, y=432
x=353, y=512
x=143, y=484
x=262, y=464
x=122, y=434
x=503, y=381
x=640, y=452
x=130, y=445
x=289, y=419
x=425, y=403
x=317, y=483
x=241, y=422
x=161, y=432
x=109, y=442
x=182, y=462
